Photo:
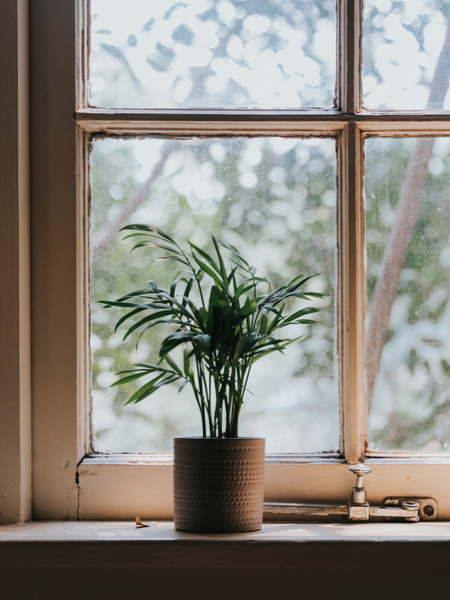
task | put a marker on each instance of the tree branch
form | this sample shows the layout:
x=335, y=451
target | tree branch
x=106, y=234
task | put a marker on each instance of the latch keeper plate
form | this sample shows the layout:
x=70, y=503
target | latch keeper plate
x=428, y=507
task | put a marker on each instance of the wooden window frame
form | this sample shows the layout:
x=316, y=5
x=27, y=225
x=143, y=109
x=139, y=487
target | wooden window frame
x=68, y=481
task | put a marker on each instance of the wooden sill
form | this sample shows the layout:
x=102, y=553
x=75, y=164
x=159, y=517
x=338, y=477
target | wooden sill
x=274, y=533
x=287, y=561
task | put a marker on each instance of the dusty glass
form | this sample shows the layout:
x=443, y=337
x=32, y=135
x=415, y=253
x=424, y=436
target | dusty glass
x=406, y=54
x=274, y=199
x=407, y=198
x=210, y=53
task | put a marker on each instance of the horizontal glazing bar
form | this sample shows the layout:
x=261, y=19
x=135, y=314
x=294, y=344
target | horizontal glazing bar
x=212, y=128
x=140, y=114
x=112, y=114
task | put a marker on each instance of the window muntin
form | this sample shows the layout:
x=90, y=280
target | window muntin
x=273, y=198
x=267, y=54
x=403, y=44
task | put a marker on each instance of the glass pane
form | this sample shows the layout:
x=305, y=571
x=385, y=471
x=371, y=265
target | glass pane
x=213, y=53
x=406, y=54
x=274, y=199
x=407, y=198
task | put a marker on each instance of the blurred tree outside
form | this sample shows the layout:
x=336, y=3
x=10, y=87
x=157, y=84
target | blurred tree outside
x=410, y=408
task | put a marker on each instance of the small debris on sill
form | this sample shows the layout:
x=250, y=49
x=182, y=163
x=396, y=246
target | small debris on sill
x=140, y=524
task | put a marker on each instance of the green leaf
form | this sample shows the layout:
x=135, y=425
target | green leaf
x=186, y=361
x=215, y=276
x=250, y=306
x=128, y=316
x=129, y=378
x=276, y=321
x=152, y=317
x=110, y=303
x=315, y=294
x=240, y=346
x=174, y=259
x=150, y=367
x=187, y=291
x=183, y=384
x=209, y=259
x=219, y=300
x=142, y=392
x=223, y=270
x=203, y=342
x=235, y=251
x=133, y=294
x=204, y=315
x=263, y=322
x=173, y=287
x=174, y=340
x=309, y=310
x=173, y=364
x=174, y=303
x=152, y=387
x=149, y=228
x=196, y=313
x=161, y=322
x=158, y=245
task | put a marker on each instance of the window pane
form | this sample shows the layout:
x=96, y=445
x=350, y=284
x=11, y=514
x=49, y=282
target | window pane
x=407, y=198
x=405, y=57
x=274, y=199
x=213, y=53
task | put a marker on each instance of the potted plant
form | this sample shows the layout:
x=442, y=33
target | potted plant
x=226, y=318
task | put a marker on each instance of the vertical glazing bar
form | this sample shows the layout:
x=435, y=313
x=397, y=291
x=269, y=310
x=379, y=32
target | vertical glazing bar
x=349, y=55
x=83, y=295
x=82, y=53
x=351, y=238
x=351, y=296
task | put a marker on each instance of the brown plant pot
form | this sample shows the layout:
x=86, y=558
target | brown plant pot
x=218, y=484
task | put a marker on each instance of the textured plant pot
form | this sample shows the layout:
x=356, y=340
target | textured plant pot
x=218, y=484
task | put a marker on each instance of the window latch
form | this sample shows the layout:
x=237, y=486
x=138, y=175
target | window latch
x=405, y=509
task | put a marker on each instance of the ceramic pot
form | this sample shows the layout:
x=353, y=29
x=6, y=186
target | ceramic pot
x=218, y=484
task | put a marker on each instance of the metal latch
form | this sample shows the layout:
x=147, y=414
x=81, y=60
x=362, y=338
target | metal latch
x=358, y=509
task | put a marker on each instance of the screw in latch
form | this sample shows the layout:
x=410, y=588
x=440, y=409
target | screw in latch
x=413, y=506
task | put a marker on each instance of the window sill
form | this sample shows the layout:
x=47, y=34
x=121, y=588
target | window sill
x=73, y=560
x=157, y=534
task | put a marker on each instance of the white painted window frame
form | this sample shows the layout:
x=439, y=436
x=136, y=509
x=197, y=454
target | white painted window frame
x=70, y=483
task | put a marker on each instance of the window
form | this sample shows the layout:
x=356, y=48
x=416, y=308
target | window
x=374, y=135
